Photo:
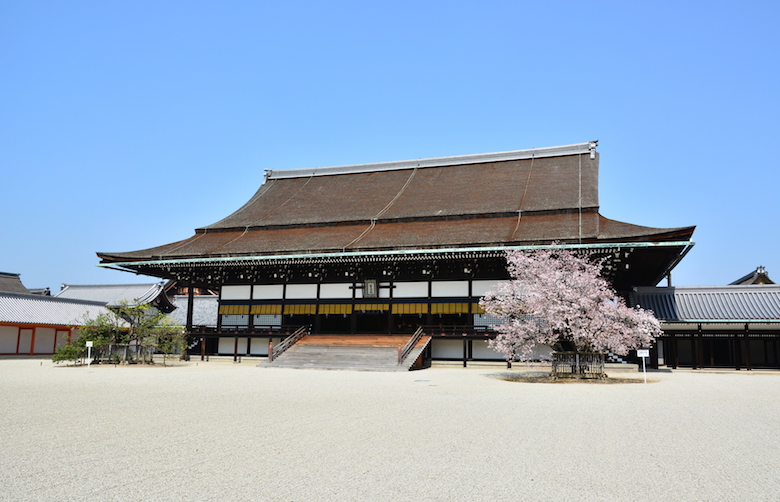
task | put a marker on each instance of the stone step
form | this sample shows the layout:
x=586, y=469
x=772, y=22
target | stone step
x=356, y=352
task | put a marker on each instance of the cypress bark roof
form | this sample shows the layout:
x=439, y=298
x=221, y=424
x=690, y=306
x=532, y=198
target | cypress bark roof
x=11, y=283
x=521, y=197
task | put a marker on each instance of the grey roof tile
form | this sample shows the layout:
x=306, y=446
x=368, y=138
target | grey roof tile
x=112, y=294
x=714, y=303
x=42, y=310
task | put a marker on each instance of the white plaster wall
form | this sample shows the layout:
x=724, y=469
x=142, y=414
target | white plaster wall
x=479, y=288
x=25, y=341
x=410, y=290
x=340, y=291
x=238, y=292
x=259, y=347
x=302, y=291
x=44, y=340
x=450, y=288
x=268, y=292
x=480, y=350
x=447, y=349
x=8, y=338
x=226, y=345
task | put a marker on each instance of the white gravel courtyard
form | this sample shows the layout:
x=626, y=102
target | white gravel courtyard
x=221, y=431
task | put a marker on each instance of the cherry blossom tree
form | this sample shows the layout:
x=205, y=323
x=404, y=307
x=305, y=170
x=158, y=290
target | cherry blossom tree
x=559, y=299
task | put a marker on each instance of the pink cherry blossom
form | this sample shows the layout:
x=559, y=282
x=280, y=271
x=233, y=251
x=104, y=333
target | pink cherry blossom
x=556, y=296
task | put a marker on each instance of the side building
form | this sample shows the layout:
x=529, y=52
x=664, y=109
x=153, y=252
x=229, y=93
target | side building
x=34, y=324
x=384, y=248
x=735, y=326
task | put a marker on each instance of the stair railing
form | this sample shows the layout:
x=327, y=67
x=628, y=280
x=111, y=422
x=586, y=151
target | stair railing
x=404, y=351
x=288, y=342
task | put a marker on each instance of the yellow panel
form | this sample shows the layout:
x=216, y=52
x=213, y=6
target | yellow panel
x=234, y=309
x=475, y=308
x=266, y=309
x=300, y=309
x=340, y=308
x=449, y=308
x=410, y=308
x=372, y=306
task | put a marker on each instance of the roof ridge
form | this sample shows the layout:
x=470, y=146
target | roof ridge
x=58, y=299
x=112, y=285
x=553, y=151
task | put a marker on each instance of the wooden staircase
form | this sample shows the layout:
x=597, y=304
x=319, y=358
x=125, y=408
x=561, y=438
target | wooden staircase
x=350, y=352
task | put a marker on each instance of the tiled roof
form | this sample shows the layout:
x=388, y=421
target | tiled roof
x=112, y=294
x=711, y=304
x=37, y=309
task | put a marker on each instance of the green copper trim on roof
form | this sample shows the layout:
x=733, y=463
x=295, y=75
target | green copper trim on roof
x=397, y=252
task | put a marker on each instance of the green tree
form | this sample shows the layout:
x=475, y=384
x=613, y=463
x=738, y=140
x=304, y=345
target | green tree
x=123, y=326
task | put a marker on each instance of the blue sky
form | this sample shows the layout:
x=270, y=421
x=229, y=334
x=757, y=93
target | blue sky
x=125, y=125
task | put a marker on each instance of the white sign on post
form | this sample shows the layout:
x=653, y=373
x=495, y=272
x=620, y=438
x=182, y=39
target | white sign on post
x=643, y=353
x=89, y=353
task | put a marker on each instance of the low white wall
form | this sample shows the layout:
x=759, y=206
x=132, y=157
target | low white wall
x=8, y=337
x=227, y=344
x=447, y=349
x=44, y=340
x=480, y=350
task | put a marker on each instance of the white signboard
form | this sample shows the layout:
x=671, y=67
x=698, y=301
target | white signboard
x=643, y=353
x=89, y=343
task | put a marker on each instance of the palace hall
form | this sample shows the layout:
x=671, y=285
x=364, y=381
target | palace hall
x=396, y=248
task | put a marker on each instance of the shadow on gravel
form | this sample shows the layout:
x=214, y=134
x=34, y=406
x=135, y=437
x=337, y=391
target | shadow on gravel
x=546, y=378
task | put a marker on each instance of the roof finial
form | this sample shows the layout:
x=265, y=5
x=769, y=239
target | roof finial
x=592, y=147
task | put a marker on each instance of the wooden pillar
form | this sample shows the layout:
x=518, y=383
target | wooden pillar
x=465, y=352
x=734, y=341
x=653, y=359
x=777, y=351
x=748, y=364
x=700, y=350
x=190, y=305
x=203, y=348
x=32, y=340
x=676, y=360
x=235, y=348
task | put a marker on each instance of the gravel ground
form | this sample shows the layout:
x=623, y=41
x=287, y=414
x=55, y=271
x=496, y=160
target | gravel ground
x=221, y=431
